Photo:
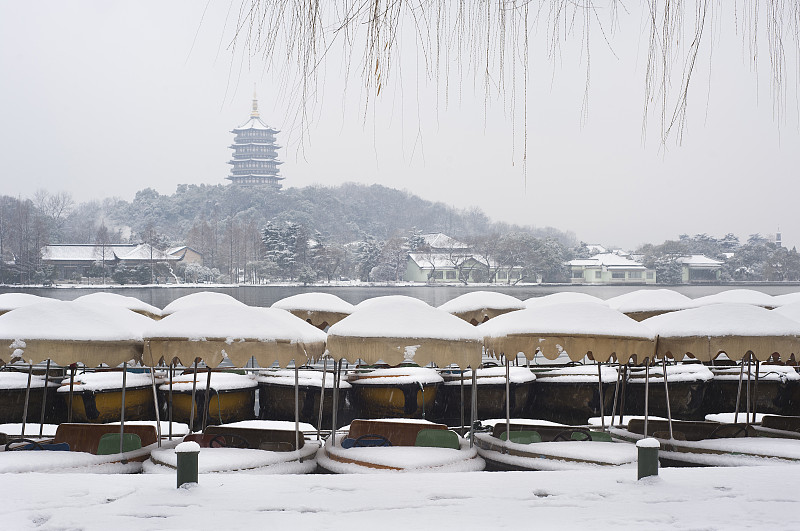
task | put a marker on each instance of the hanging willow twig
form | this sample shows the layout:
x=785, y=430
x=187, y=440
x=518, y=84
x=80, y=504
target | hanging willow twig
x=481, y=39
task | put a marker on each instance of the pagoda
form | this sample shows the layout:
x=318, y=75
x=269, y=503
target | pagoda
x=255, y=153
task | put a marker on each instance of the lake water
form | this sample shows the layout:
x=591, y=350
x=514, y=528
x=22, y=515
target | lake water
x=434, y=295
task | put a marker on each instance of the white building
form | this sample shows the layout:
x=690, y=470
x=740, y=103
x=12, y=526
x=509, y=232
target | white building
x=609, y=268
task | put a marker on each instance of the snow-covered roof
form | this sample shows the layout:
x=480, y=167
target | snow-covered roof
x=254, y=122
x=11, y=301
x=562, y=297
x=439, y=260
x=84, y=252
x=577, y=328
x=319, y=302
x=724, y=319
x=443, y=241
x=608, y=260
x=732, y=328
x=699, y=260
x=201, y=298
x=596, y=248
x=578, y=318
x=779, y=300
x=235, y=331
x=743, y=296
x=319, y=309
x=398, y=328
x=234, y=323
x=72, y=321
x=482, y=300
x=790, y=310
x=69, y=332
x=96, y=252
x=146, y=252
x=650, y=300
x=114, y=299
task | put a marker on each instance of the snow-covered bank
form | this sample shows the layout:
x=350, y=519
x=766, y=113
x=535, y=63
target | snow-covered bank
x=707, y=498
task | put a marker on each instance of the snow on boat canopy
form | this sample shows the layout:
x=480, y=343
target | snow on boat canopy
x=233, y=331
x=644, y=303
x=12, y=301
x=397, y=328
x=129, y=303
x=578, y=329
x=779, y=300
x=199, y=299
x=741, y=296
x=479, y=306
x=735, y=329
x=388, y=300
x=562, y=297
x=318, y=309
x=69, y=332
x=791, y=310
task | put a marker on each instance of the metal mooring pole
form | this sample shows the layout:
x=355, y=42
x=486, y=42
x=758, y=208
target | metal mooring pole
x=187, y=453
x=648, y=457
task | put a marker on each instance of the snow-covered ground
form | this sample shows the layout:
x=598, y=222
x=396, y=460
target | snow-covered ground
x=710, y=498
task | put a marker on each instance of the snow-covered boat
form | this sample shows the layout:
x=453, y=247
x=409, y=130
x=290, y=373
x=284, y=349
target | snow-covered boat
x=261, y=447
x=688, y=384
x=491, y=393
x=773, y=393
x=230, y=397
x=97, y=396
x=577, y=329
x=13, y=386
x=400, y=392
x=705, y=443
x=72, y=332
x=239, y=334
x=785, y=426
x=541, y=445
x=394, y=330
x=573, y=393
x=399, y=445
x=276, y=395
x=76, y=447
x=743, y=332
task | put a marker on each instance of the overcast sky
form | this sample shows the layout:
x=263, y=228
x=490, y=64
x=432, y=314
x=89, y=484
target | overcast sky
x=106, y=98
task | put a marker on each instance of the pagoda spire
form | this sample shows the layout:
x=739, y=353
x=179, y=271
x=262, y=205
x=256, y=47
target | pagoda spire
x=254, y=112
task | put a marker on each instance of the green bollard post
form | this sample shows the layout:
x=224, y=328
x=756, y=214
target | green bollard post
x=187, y=453
x=648, y=457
